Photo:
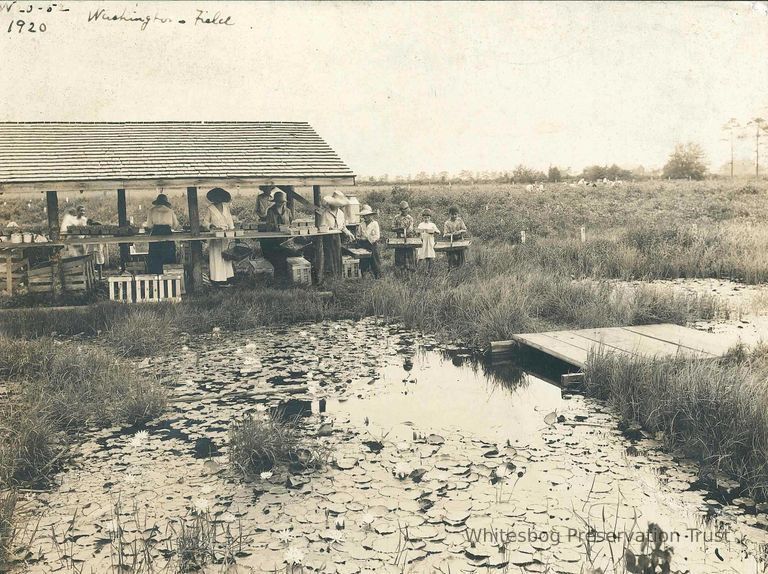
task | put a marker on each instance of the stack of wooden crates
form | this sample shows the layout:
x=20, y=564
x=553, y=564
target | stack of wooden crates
x=13, y=270
x=70, y=274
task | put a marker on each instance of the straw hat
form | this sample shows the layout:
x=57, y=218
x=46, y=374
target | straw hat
x=336, y=199
x=404, y=205
x=365, y=209
x=162, y=199
x=279, y=197
x=218, y=195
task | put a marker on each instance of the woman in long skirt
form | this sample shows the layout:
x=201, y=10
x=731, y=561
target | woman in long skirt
x=219, y=217
x=161, y=220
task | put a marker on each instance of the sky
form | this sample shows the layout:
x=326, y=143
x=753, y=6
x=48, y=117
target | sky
x=400, y=88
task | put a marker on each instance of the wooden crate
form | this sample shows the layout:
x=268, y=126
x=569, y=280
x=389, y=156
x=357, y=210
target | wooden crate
x=13, y=269
x=169, y=285
x=262, y=267
x=350, y=268
x=404, y=241
x=177, y=269
x=71, y=274
x=121, y=288
x=300, y=270
x=78, y=273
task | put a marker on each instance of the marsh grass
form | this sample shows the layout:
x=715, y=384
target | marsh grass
x=714, y=411
x=8, y=501
x=57, y=387
x=260, y=444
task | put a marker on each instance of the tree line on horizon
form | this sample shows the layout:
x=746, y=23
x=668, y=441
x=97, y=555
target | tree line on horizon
x=687, y=161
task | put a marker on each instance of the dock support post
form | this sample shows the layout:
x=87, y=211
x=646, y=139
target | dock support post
x=319, y=254
x=52, y=208
x=195, y=246
x=122, y=221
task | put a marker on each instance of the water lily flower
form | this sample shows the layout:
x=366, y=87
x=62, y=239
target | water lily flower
x=201, y=505
x=266, y=475
x=261, y=407
x=139, y=439
x=294, y=556
x=339, y=523
x=367, y=518
x=312, y=389
x=185, y=348
x=217, y=329
x=285, y=536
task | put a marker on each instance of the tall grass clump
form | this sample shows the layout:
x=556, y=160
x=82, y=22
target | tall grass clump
x=146, y=331
x=713, y=411
x=79, y=385
x=260, y=444
x=7, y=508
x=58, y=387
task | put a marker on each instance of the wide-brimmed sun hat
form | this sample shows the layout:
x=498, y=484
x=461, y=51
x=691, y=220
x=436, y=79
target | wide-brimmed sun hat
x=365, y=209
x=427, y=212
x=336, y=199
x=162, y=199
x=218, y=195
x=279, y=197
x=404, y=205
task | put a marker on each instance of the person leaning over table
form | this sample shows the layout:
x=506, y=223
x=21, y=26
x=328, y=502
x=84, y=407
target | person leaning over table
x=403, y=225
x=161, y=220
x=333, y=217
x=264, y=201
x=455, y=229
x=369, y=236
x=219, y=217
x=70, y=219
x=278, y=214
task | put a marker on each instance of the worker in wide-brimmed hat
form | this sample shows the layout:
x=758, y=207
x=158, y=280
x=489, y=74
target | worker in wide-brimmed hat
x=428, y=230
x=333, y=217
x=402, y=225
x=161, y=220
x=278, y=214
x=219, y=217
x=264, y=201
x=455, y=229
x=369, y=237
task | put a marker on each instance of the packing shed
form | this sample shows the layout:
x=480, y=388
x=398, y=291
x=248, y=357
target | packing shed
x=55, y=157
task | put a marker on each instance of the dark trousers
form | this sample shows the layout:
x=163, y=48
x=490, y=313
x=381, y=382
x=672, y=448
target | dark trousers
x=374, y=263
x=276, y=255
x=160, y=252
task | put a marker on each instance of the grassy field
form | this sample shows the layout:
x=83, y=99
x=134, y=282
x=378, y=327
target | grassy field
x=644, y=231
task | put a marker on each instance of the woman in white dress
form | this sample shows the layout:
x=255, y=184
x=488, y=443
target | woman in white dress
x=428, y=231
x=218, y=218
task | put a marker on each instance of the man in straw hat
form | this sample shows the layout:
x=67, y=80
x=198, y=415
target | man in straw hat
x=405, y=256
x=278, y=214
x=370, y=237
x=333, y=217
x=161, y=220
x=219, y=217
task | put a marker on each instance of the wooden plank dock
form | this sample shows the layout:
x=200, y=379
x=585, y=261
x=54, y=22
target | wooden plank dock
x=664, y=340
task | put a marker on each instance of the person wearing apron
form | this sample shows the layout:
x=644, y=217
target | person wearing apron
x=161, y=220
x=370, y=237
x=219, y=217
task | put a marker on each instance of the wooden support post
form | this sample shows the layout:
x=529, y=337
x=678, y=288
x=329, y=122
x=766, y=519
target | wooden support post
x=319, y=255
x=122, y=221
x=583, y=234
x=291, y=194
x=52, y=208
x=522, y=237
x=195, y=247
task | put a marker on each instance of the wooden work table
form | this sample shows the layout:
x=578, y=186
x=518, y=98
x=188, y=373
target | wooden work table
x=147, y=238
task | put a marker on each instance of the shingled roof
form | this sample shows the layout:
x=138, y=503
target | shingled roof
x=74, y=155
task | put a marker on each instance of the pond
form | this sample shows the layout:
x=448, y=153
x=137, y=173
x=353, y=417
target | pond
x=437, y=463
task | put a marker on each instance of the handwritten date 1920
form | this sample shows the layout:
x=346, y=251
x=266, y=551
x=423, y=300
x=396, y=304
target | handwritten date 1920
x=24, y=26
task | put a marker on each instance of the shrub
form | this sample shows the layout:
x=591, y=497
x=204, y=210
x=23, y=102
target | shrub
x=259, y=444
